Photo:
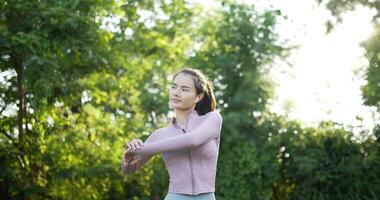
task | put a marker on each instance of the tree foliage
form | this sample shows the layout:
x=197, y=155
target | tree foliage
x=81, y=78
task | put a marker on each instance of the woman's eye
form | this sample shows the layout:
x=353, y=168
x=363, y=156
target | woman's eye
x=185, y=90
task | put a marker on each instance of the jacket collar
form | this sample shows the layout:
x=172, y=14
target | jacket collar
x=191, y=114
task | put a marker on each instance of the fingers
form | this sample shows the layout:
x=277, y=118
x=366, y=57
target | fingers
x=135, y=160
x=127, y=154
x=127, y=158
x=130, y=159
x=138, y=144
x=134, y=144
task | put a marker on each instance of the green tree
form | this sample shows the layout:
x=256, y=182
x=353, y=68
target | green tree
x=80, y=87
x=46, y=47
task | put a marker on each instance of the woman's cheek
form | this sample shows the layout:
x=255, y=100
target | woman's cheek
x=188, y=102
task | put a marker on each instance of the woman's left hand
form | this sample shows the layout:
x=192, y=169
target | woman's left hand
x=134, y=144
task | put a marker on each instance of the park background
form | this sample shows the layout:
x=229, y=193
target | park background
x=80, y=78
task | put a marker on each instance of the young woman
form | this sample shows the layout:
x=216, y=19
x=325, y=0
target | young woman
x=189, y=144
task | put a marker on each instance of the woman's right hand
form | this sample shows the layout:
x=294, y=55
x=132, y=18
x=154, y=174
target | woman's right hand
x=127, y=158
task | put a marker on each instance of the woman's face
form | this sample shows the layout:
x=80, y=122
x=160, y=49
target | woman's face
x=182, y=92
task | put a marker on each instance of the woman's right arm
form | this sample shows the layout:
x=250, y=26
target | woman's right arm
x=132, y=162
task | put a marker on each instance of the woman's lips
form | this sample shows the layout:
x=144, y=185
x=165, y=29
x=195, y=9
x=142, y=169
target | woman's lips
x=175, y=101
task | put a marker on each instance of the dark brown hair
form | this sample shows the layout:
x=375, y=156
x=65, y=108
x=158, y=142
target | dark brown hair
x=202, y=85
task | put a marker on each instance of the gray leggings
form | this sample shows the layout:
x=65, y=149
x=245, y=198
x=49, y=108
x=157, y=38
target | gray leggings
x=204, y=196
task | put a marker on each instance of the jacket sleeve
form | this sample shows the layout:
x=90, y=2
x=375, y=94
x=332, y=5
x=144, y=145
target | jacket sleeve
x=206, y=131
x=144, y=158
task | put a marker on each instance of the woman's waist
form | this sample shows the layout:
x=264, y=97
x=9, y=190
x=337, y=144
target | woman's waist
x=179, y=196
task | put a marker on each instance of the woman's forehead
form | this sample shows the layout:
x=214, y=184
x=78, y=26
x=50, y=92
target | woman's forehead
x=184, y=80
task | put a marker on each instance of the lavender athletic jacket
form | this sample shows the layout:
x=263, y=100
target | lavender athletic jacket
x=190, y=154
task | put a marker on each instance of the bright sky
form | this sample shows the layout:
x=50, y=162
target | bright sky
x=321, y=82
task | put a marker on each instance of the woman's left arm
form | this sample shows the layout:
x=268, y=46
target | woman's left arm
x=206, y=131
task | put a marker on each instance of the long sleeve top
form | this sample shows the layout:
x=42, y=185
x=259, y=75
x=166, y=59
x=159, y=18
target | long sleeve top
x=190, y=154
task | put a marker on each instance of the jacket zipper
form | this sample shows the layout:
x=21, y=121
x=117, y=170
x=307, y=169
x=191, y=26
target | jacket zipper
x=191, y=163
x=191, y=169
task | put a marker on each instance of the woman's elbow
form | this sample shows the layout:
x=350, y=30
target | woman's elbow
x=193, y=142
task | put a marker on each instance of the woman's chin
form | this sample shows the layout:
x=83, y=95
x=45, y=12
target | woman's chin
x=180, y=107
x=176, y=107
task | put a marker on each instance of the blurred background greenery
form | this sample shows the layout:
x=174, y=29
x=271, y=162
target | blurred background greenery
x=80, y=78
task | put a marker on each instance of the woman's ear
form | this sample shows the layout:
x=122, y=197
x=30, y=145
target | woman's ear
x=196, y=100
x=199, y=98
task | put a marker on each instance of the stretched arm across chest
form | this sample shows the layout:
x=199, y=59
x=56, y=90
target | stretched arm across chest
x=209, y=129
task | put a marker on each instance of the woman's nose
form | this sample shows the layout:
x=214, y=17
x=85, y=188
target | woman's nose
x=176, y=93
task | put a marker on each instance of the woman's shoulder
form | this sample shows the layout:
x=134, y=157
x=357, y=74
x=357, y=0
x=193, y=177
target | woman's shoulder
x=214, y=114
x=213, y=117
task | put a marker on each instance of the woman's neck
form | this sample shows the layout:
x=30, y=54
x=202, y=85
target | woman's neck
x=181, y=116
